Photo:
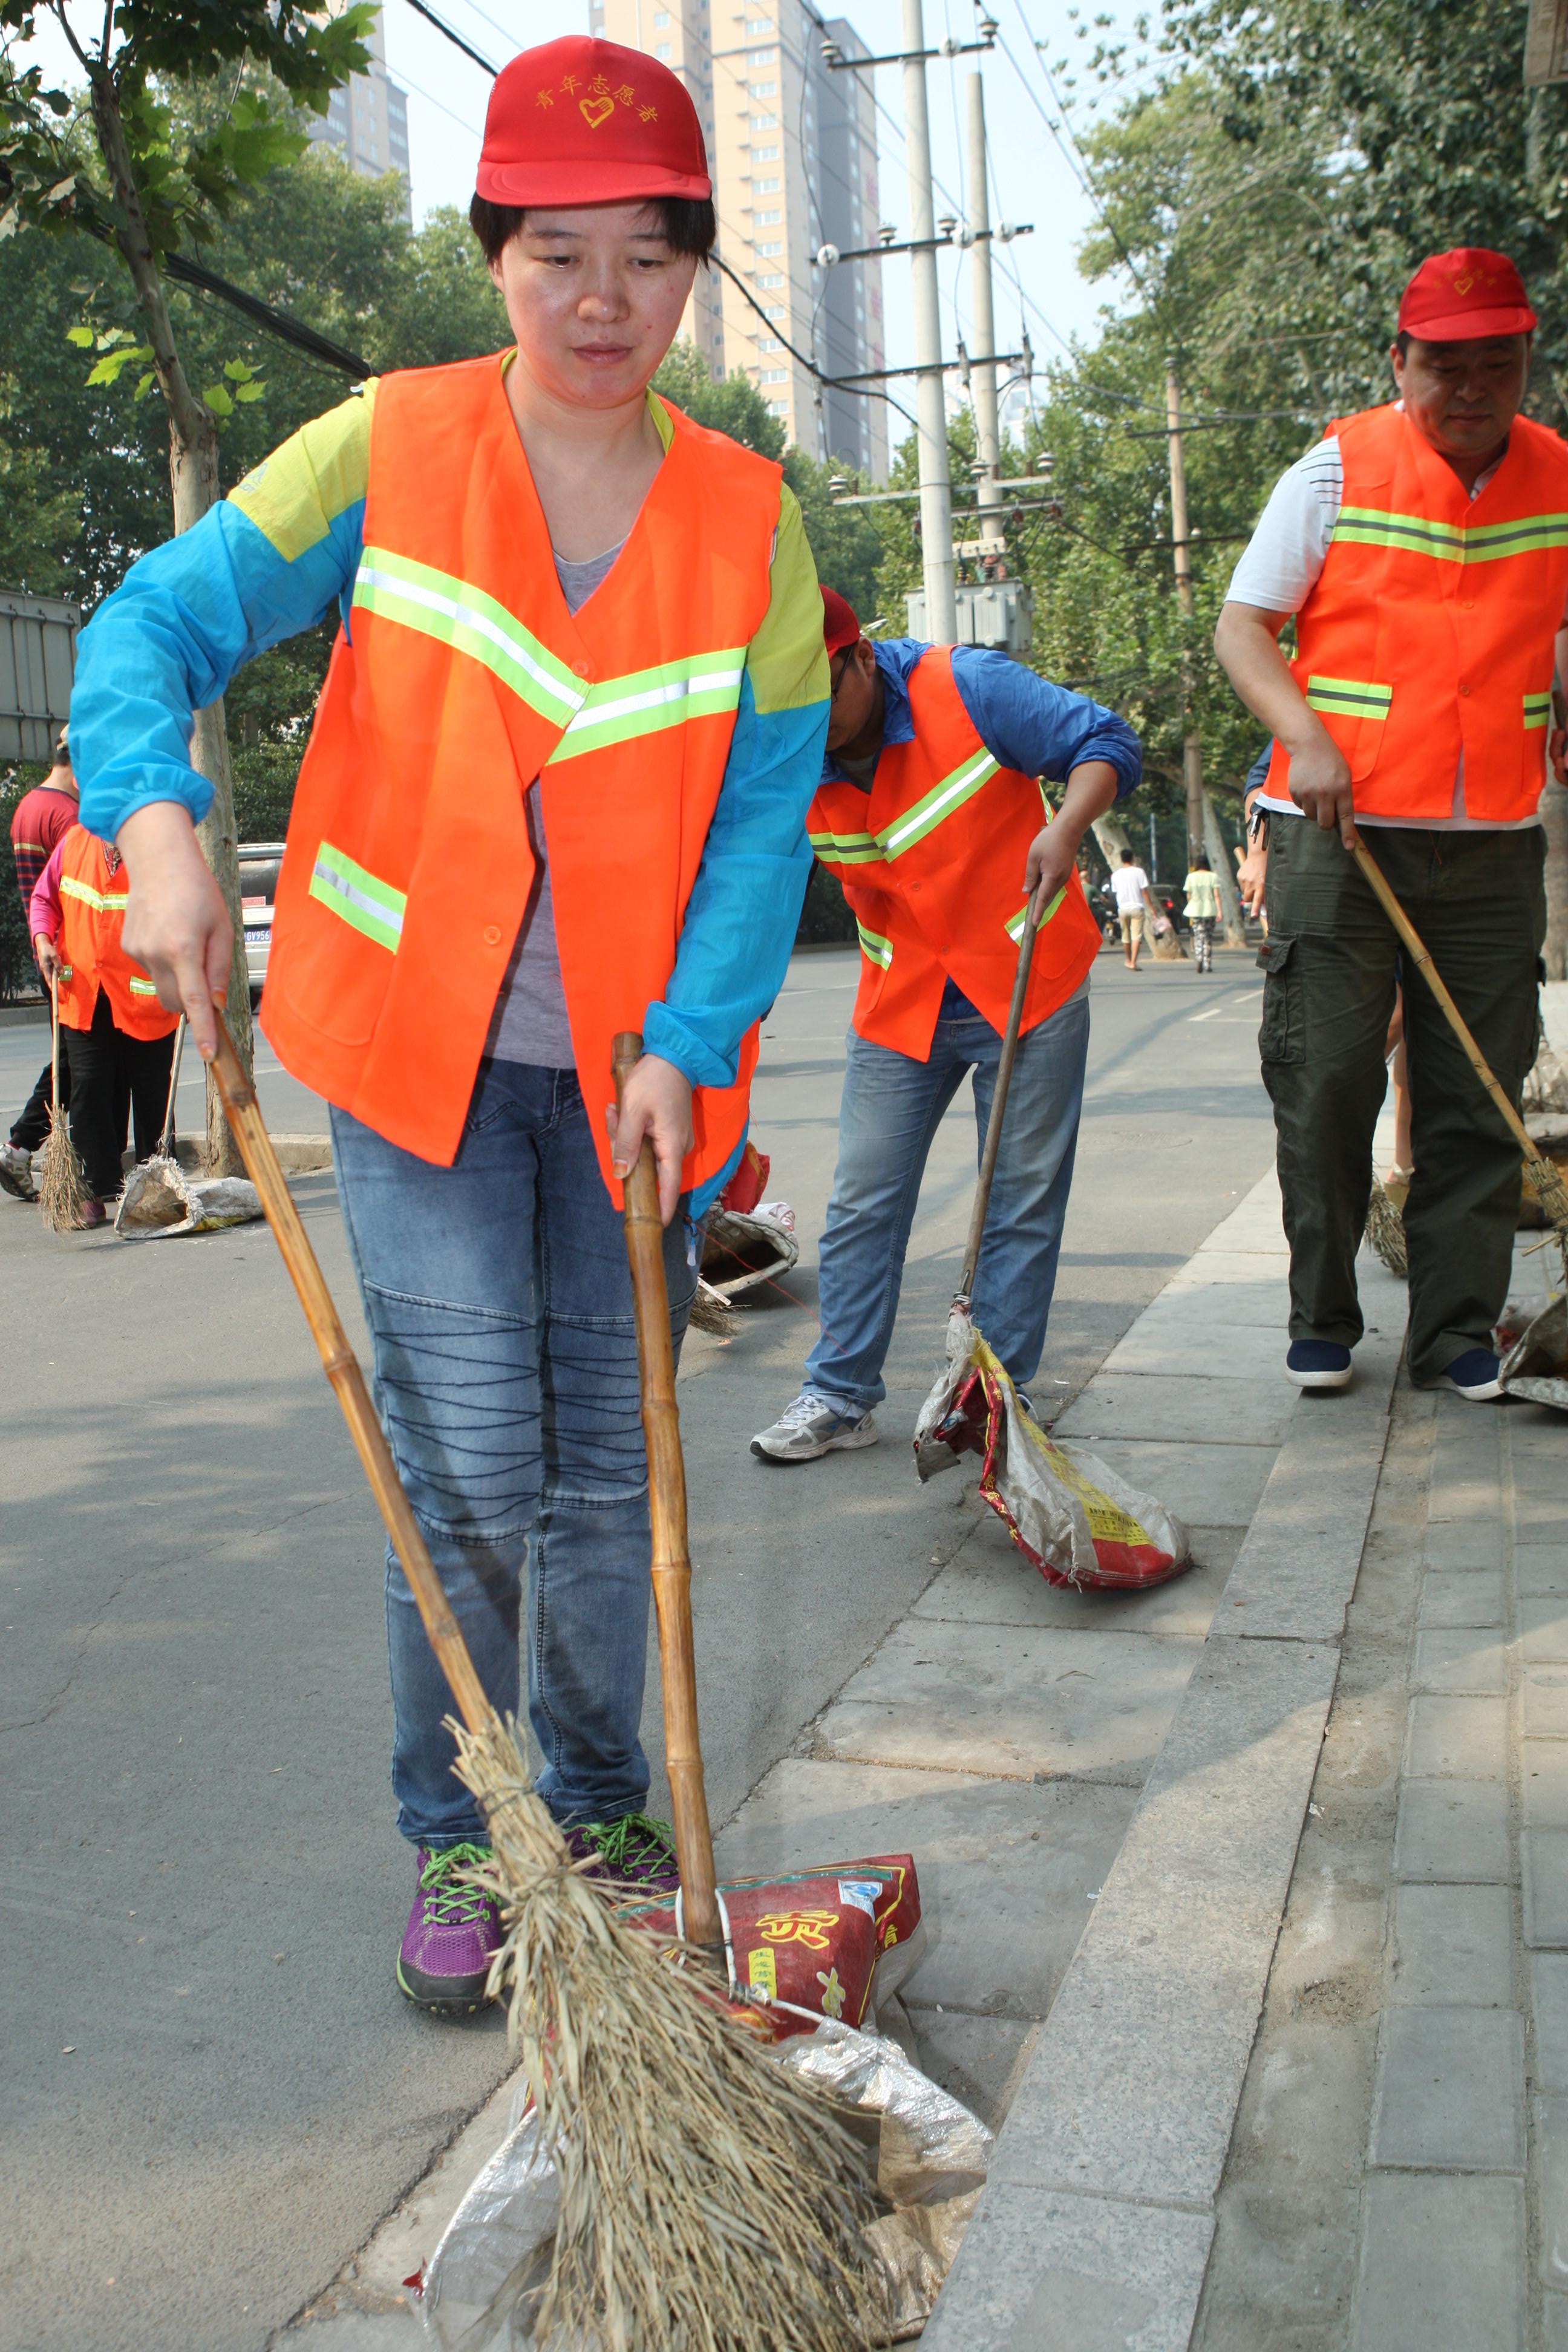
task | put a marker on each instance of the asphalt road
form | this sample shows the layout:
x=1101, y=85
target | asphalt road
x=213, y=2091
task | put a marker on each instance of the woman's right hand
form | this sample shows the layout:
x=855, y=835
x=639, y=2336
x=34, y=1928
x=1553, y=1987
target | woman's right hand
x=45, y=956
x=176, y=924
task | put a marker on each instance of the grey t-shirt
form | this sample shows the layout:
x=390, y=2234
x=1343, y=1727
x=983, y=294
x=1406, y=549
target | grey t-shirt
x=530, y=1024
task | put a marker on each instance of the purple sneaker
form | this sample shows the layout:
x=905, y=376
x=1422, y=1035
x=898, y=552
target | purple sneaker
x=634, y=1851
x=453, y=1934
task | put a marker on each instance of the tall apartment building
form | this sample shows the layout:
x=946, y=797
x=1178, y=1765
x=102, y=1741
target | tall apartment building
x=791, y=146
x=367, y=121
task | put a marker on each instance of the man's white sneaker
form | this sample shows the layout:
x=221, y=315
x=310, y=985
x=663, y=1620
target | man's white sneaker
x=16, y=1172
x=811, y=1427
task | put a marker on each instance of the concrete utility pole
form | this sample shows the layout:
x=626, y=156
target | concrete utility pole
x=1202, y=825
x=983, y=378
x=931, y=402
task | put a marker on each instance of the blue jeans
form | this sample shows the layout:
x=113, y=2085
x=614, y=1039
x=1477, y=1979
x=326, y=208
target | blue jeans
x=891, y=1108
x=500, y=1308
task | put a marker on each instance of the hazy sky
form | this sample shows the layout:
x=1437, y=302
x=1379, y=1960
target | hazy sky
x=1031, y=178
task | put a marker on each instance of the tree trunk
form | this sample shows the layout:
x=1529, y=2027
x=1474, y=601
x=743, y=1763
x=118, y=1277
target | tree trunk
x=193, y=483
x=1111, y=837
x=1225, y=878
x=1554, y=818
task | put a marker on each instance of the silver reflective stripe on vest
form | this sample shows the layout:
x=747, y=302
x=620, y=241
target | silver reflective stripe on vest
x=874, y=946
x=363, y=901
x=1015, y=929
x=1538, y=710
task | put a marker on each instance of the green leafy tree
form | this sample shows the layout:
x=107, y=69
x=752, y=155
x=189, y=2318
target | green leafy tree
x=116, y=163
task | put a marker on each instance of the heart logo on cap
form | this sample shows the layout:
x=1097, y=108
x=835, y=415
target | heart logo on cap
x=596, y=111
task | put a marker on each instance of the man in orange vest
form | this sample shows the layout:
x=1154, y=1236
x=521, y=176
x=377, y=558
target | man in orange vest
x=555, y=789
x=1423, y=550
x=932, y=813
x=119, y=1040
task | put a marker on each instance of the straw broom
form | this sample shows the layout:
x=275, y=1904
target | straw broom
x=62, y=1187
x=1550, y=1188
x=711, y=2202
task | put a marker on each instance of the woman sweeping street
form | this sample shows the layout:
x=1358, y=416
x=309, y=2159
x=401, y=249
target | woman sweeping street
x=118, y=1040
x=556, y=790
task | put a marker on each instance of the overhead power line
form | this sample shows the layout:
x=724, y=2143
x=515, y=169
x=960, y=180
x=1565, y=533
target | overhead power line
x=420, y=9
x=263, y=314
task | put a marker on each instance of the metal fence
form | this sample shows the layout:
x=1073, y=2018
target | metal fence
x=37, y=656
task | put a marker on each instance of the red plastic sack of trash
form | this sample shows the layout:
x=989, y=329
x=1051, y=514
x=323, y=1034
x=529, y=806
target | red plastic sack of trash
x=747, y=1185
x=813, y=1938
x=1067, y=1512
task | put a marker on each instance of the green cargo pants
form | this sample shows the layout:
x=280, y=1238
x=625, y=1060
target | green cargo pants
x=1333, y=960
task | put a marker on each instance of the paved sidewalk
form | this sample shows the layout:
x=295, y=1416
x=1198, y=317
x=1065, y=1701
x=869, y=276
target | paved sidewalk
x=1007, y=1733
x=1398, y=2177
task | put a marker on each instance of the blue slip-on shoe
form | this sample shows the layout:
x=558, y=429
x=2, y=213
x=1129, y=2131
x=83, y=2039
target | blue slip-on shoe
x=1317, y=1364
x=1474, y=1375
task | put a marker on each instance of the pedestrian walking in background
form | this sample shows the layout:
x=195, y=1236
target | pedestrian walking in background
x=1421, y=547
x=119, y=1040
x=930, y=812
x=1134, y=907
x=1201, y=909
x=555, y=791
x=41, y=821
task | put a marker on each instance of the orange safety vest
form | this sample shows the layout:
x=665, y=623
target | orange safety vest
x=1429, y=631
x=92, y=915
x=932, y=861
x=462, y=677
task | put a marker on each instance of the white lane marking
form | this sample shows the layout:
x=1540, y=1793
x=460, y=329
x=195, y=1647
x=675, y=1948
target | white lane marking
x=1213, y=1014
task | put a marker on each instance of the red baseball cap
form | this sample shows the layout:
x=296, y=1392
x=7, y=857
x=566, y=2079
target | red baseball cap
x=839, y=626
x=1462, y=296
x=580, y=122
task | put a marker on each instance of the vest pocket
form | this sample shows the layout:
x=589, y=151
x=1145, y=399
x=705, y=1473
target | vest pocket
x=1355, y=712
x=335, y=964
x=1281, y=1037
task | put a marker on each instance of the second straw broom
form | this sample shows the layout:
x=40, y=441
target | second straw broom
x=709, y=2200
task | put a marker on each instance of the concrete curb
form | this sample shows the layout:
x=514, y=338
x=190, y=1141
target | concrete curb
x=1095, y=2227
x=298, y=1155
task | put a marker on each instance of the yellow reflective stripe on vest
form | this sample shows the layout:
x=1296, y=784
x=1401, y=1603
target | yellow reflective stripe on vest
x=364, y=902
x=439, y=606
x=941, y=802
x=1014, y=929
x=1353, y=698
x=845, y=848
x=620, y=708
x=1538, y=710
x=142, y=987
x=874, y=946
x=1450, y=543
x=102, y=902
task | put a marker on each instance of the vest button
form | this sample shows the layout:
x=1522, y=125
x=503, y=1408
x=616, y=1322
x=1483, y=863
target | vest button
x=1466, y=604
x=1464, y=689
x=580, y=670
x=492, y=935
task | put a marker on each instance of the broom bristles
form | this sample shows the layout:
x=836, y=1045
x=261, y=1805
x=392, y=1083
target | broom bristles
x=62, y=1187
x=710, y=2202
x=1385, y=1230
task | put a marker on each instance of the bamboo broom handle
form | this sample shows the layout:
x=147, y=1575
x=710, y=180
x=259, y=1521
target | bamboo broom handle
x=1373, y=874
x=341, y=1366
x=992, y=1145
x=671, y=1559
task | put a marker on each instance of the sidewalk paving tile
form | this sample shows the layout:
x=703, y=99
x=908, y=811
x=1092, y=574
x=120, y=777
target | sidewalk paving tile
x=1213, y=1310
x=1219, y=1486
x=1549, y=2120
x=1544, y=1783
x=1545, y=1695
x=1543, y=1870
x=1165, y=1405
x=1458, y=1738
x=994, y=1699
x=1007, y=1867
x=1459, y=1662
x=1442, y=2267
x=1548, y=2009
x=1537, y=1515
x=1453, y=1947
x=991, y=1582
x=1450, y=2091
x=1555, y=2323
x=1464, y=1503
x=1132, y=2088
x=1237, y=1267
x=1459, y=1596
x=1543, y=1631
x=1465, y=1546
x=1247, y=1353
x=1046, y=2274
x=1297, y=1568
x=1541, y=1571
x=1453, y=1832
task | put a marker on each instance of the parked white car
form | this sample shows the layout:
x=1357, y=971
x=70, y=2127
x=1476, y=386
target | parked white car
x=258, y=865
